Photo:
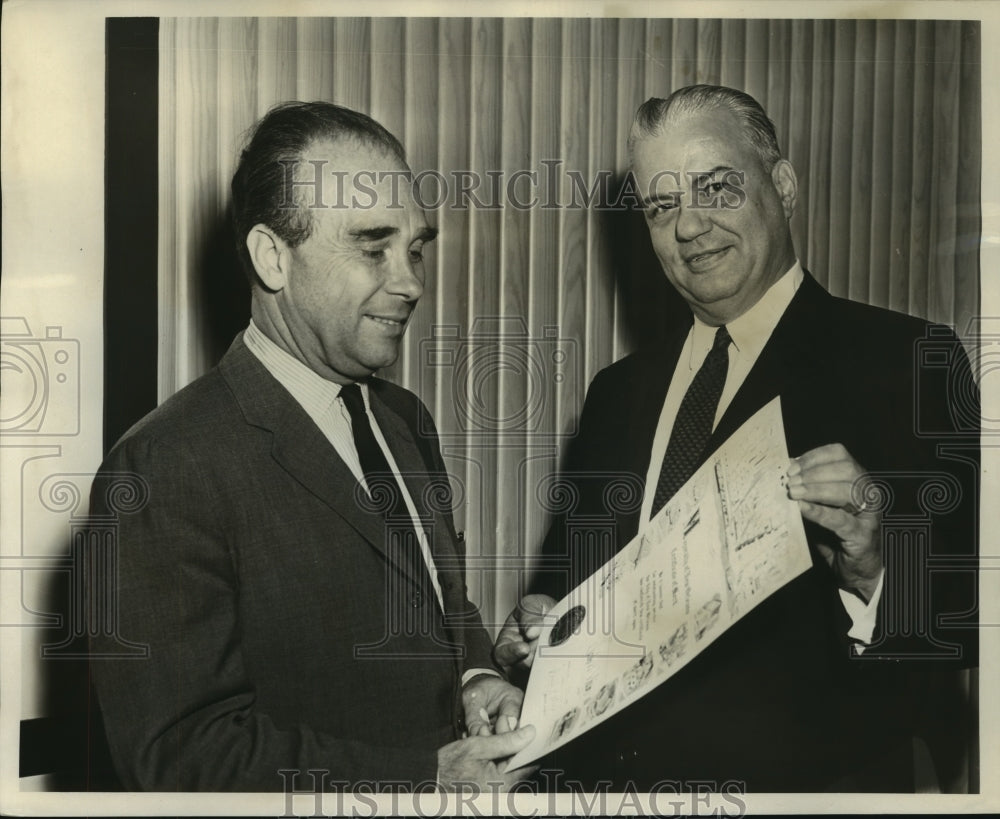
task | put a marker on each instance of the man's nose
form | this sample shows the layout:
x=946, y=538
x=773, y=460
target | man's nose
x=692, y=222
x=406, y=278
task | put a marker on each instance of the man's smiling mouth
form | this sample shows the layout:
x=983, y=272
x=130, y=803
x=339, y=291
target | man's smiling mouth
x=705, y=259
x=388, y=322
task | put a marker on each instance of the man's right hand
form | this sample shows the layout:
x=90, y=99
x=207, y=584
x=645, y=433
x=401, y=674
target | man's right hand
x=515, y=644
x=472, y=762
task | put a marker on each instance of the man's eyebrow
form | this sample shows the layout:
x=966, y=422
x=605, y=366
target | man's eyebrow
x=428, y=234
x=716, y=170
x=656, y=198
x=372, y=234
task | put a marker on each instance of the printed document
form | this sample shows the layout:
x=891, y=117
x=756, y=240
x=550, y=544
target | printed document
x=727, y=540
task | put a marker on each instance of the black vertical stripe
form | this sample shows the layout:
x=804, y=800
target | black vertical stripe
x=130, y=223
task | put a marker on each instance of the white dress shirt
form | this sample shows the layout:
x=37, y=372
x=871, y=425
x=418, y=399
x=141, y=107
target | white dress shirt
x=750, y=333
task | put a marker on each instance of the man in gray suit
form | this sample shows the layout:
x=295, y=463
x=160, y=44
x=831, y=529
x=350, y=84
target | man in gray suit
x=293, y=566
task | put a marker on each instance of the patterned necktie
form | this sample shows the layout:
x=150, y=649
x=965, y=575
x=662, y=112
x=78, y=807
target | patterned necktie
x=693, y=425
x=402, y=537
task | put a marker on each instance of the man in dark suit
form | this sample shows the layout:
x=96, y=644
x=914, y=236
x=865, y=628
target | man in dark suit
x=289, y=557
x=818, y=687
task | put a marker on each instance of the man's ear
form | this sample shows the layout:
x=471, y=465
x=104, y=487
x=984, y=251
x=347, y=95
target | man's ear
x=783, y=177
x=269, y=255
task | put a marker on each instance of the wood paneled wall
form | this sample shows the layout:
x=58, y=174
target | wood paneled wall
x=881, y=119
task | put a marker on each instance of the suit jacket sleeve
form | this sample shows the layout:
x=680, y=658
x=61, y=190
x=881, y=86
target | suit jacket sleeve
x=184, y=718
x=928, y=610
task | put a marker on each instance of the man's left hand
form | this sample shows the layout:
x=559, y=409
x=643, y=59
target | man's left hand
x=829, y=486
x=491, y=704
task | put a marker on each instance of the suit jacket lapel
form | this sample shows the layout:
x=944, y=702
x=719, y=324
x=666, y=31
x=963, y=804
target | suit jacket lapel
x=423, y=483
x=786, y=352
x=417, y=474
x=299, y=446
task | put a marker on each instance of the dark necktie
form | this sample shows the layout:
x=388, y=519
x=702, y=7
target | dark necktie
x=693, y=425
x=402, y=538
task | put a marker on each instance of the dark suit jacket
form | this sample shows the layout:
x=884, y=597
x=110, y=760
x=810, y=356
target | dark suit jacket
x=778, y=702
x=256, y=578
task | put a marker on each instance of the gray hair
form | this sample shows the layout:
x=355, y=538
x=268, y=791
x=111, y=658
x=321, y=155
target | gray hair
x=652, y=116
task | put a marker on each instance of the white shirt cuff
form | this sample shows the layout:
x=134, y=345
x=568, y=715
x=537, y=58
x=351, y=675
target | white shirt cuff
x=863, y=615
x=475, y=672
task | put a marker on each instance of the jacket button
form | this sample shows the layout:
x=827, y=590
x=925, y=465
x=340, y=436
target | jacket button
x=417, y=600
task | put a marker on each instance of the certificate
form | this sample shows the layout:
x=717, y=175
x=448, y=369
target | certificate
x=728, y=539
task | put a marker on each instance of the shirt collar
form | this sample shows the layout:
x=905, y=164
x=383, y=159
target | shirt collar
x=313, y=393
x=751, y=330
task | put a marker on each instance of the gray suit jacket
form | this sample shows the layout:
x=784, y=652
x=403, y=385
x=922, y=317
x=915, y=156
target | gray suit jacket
x=281, y=634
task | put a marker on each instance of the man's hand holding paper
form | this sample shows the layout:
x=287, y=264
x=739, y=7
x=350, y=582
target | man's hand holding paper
x=516, y=643
x=491, y=705
x=829, y=486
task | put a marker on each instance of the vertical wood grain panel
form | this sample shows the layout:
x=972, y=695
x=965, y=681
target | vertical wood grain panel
x=451, y=250
x=629, y=95
x=386, y=66
x=685, y=52
x=734, y=45
x=420, y=98
x=817, y=257
x=573, y=148
x=603, y=130
x=778, y=77
x=970, y=148
x=484, y=273
x=277, y=65
x=316, y=59
x=453, y=266
x=169, y=216
x=941, y=282
x=516, y=382
x=902, y=166
x=658, y=64
x=841, y=150
x=860, y=213
x=921, y=171
x=197, y=128
x=709, y=64
x=874, y=278
x=757, y=51
x=237, y=100
x=544, y=281
x=351, y=46
x=797, y=142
